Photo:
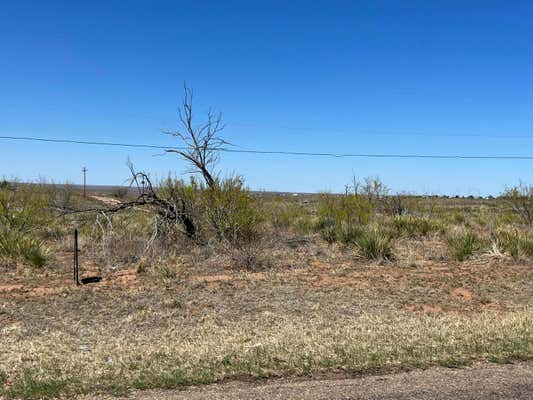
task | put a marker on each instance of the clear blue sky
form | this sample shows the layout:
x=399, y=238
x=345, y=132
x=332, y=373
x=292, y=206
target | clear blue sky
x=354, y=76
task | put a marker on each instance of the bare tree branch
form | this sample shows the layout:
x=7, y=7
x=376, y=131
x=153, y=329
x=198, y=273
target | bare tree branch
x=167, y=211
x=202, y=143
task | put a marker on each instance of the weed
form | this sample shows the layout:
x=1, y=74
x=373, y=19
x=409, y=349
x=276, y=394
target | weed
x=515, y=243
x=519, y=199
x=413, y=227
x=23, y=209
x=249, y=256
x=347, y=209
x=375, y=245
x=463, y=245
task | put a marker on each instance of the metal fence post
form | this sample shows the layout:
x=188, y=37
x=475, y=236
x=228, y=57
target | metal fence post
x=76, y=265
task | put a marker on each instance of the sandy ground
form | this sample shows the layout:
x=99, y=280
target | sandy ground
x=481, y=381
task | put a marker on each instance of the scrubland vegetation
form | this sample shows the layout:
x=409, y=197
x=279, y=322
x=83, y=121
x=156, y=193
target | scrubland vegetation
x=38, y=220
x=203, y=280
x=227, y=301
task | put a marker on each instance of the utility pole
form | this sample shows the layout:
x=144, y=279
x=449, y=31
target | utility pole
x=84, y=170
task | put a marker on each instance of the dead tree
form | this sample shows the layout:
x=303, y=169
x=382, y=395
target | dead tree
x=201, y=142
x=167, y=211
x=200, y=145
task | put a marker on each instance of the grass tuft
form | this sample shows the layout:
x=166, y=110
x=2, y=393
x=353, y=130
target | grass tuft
x=463, y=245
x=375, y=245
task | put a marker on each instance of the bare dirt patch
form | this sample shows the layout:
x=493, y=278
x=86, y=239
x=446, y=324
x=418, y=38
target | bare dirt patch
x=461, y=293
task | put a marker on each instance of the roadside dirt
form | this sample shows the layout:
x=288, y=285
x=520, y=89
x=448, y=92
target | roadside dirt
x=110, y=201
x=481, y=381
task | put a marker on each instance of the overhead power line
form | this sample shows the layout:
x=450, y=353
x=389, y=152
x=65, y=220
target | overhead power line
x=277, y=152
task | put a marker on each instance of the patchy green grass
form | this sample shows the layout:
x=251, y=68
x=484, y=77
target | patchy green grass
x=61, y=363
x=305, y=295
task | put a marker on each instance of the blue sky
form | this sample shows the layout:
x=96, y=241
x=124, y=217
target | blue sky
x=432, y=77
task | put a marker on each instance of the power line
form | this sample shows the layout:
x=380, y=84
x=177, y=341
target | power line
x=278, y=152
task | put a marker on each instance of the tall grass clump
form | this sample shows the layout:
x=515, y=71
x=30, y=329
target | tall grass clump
x=463, y=245
x=516, y=243
x=409, y=226
x=23, y=211
x=375, y=245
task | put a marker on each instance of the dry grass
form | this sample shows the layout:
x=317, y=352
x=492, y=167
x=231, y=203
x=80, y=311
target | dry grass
x=289, y=303
x=206, y=323
x=61, y=362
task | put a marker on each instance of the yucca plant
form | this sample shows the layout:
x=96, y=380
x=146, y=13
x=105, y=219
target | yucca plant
x=463, y=245
x=375, y=245
x=23, y=208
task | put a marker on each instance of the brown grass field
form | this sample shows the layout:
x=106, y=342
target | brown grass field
x=293, y=302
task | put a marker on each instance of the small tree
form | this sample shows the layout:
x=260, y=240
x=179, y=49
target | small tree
x=520, y=200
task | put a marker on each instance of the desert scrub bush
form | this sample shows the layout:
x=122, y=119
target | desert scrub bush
x=285, y=214
x=462, y=245
x=414, y=226
x=185, y=195
x=230, y=211
x=515, y=243
x=374, y=245
x=519, y=200
x=120, y=192
x=225, y=212
x=169, y=268
x=348, y=209
x=251, y=256
x=23, y=211
x=17, y=247
x=341, y=218
x=344, y=233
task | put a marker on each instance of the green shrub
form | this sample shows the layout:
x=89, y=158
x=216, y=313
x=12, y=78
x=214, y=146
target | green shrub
x=231, y=212
x=287, y=214
x=349, y=233
x=509, y=242
x=526, y=245
x=458, y=217
x=23, y=210
x=340, y=233
x=515, y=243
x=413, y=226
x=341, y=218
x=226, y=212
x=375, y=245
x=519, y=200
x=328, y=232
x=346, y=209
x=18, y=247
x=463, y=245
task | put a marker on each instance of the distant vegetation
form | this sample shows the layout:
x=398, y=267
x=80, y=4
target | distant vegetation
x=204, y=280
x=37, y=221
x=220, y=215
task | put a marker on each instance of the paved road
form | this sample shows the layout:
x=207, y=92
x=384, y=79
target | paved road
x=482, y=381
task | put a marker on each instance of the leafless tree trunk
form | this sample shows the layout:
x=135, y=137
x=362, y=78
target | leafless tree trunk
x=202, y=142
